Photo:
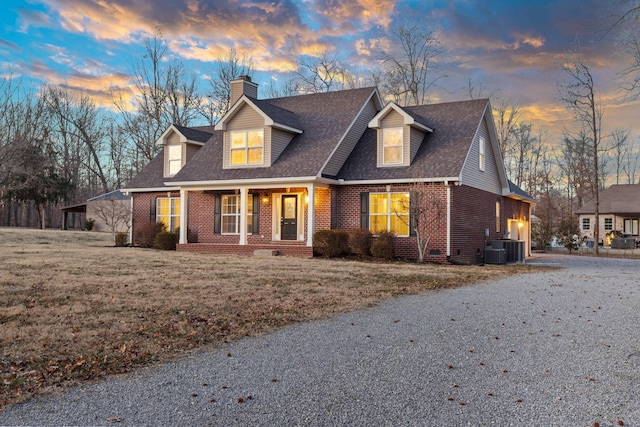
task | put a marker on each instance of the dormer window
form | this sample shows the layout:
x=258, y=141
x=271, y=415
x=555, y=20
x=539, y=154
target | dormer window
x=174, y=159
x=392, y=145
x=247, y=147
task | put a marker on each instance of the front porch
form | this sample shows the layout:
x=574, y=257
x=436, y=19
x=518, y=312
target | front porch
x=298, y=249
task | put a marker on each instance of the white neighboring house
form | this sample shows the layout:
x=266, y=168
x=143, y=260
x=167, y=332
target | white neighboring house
x=619, y=212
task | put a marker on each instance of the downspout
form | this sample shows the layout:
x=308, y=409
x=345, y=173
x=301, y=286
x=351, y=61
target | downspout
x=311, y=213
x=183, y=217
x=448, y=220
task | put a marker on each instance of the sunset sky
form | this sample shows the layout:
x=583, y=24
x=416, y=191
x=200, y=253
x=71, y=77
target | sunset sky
x=509, y=50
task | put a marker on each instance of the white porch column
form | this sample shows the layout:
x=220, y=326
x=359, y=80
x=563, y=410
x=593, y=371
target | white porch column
x=311, y=213
x=243, y=217
x=183, y=216
x=448, y=220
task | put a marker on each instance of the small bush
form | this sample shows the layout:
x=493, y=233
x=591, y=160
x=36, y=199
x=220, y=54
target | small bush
x=360, y=241
x=121, y=239
x=383, y=245
x=146, y=234
x=331, y=243
x=89, y=223
x=166, y=240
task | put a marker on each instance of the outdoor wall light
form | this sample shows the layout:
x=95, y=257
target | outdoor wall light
x=265, y=198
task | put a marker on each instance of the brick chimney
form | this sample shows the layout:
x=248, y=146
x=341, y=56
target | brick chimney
x=242, y=86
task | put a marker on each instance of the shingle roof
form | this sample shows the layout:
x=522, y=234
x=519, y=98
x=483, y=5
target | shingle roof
x=515, y=190
x=324, y=119
x=197, y=134
x=151, y=176
x=442, y=153
x=617, y=199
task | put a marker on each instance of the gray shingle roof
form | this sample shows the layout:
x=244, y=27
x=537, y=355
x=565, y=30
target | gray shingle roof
x=324, y=118
x=197, y=134
x=617, y=199
x=151, y=176
x=442, y=153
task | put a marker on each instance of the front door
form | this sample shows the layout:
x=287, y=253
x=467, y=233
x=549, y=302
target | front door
x=289, y=219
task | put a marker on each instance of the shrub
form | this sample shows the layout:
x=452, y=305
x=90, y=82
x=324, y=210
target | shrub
x=89, y=223
x=383, y=245
x=360, y=241
x=166, y=240
x=330, y=243
x=121, y=239
x=146, y=234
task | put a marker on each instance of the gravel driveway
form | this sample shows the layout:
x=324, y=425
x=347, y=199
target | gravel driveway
x=557, y=348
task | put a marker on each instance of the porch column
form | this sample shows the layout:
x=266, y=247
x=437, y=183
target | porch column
x=243, y=217
x=183, y=217
x=311, y=213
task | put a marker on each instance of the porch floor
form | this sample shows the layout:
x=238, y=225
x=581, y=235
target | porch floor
x=295, y=248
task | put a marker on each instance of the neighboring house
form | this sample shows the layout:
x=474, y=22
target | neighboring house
x=98, y=208
x=619, y=211
x=272, y=172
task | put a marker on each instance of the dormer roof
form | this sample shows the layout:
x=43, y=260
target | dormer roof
x=274, y=116
x=409, y=118
x=195, y=136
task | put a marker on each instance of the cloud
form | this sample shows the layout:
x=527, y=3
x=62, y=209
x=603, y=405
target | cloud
x=10, y=45
x=34, y=18
x=350, y=15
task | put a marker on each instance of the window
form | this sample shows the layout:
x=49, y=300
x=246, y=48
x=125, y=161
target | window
x=497, y=217
x=168, y=212
x=389, y=212
x=586, y=223
x=481, y=155
x=231, y=212
x=608, y=224
x=247, y=147
x=174, y=159
x=631, y=227
x=392, y=146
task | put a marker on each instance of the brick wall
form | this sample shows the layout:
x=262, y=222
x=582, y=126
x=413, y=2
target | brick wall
x=142, y=209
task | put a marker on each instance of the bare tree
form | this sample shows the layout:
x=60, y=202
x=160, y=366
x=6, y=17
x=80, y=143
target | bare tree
x=116, y=214
x=579, y=95
x=507, y=116
x=164, y=93
x=426, y=214
x=320, y=72
x=629, y=42
x=410, y=64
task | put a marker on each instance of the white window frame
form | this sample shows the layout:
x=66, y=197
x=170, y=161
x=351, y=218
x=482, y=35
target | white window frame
x=236, y=214
x=173, y=218
x=245, y=147
x=586, y=224
x=481, y=153
x=608, y=224
x=400, y=146
x=497, y=216
x=389, y=214
x=172, y=160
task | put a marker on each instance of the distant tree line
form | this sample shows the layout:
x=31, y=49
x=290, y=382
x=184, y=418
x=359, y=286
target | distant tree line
x=59, y=148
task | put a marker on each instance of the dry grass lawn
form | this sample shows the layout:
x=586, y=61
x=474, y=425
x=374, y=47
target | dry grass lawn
x=75, y=308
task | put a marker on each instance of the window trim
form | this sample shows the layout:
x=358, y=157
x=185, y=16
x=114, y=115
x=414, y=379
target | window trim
x=400, y=145
x=237, y=214
x=170, y=161
x=610, y=225
x=497, y=216
x=173, y=218
x=389, y=212
x=586, y=222
x=246, y=147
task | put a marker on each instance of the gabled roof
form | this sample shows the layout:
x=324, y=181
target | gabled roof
x=409, y=118
x=617, y=199
x=324, y=119
x=195, y=135
x=273, y=115
x=442, y=153
x=112, y=195
x=518, y=193
x=151, y=176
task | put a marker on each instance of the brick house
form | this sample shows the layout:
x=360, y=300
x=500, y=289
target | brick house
x=619, y=212
x=272, y=172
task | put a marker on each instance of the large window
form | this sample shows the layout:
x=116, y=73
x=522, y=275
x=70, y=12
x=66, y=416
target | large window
x=482, y=153
x=497, y=217
x=231, y=212
x=174, y=159
x=247, y=147
x=389, y=212
x=586, y=223
x=168, y=212
x=631, y=227
x=392, y=146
